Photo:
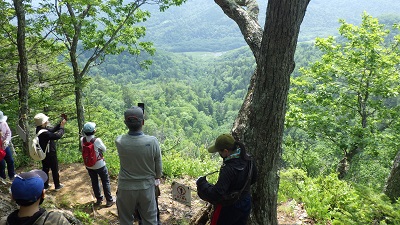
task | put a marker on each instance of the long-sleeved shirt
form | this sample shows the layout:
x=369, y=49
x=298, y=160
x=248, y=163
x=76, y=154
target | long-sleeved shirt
x=48, y=137
x=100, y=148
x=140, y=161
x=5, y=132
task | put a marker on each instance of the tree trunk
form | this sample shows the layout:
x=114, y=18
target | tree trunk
x=78, y=75
x=266, y=120
x=22, y=73
x=260, y=121
x=392, y=187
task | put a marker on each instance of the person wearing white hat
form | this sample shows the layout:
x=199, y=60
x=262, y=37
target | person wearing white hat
x=48, y=138
x=5, y=138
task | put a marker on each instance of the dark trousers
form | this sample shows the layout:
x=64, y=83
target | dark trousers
x=105, y=181
x=10, y=165
x=236, y=214
x=51, y=162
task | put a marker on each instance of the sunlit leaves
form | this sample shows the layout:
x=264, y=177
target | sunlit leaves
x=344, y=98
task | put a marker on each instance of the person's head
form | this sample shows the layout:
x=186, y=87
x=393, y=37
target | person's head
x=3, y=118
x=134, y=118
x=41, y=120
x=89, y=128
x=28, y=188
x=226, y=145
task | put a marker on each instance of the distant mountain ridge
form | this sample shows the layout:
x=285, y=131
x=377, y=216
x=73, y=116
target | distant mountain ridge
x=200, y=25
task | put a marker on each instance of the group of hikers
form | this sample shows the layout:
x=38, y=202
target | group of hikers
x=138, y=179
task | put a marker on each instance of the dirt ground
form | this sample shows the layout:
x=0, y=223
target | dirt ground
x=77, y=194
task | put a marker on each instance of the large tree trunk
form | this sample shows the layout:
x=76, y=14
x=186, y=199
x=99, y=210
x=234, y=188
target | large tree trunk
x=260, y=121
x=392, y=187
x=266, y=120
x=22, y=73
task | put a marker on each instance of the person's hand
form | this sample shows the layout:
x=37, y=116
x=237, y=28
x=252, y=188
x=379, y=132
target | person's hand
x=157, y=182
x=62, y=123
x=5, y=143
x=201, y=180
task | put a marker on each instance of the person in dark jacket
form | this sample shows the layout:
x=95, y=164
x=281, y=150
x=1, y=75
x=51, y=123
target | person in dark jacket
x=47, y=142
x=236, y=174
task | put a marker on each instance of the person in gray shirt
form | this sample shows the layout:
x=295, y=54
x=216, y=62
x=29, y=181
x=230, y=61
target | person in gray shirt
x=140, y=171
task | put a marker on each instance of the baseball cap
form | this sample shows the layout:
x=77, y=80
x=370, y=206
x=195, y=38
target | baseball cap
x=224, y=141
x=89, y=127
x=40, y=119
x=28, y=187
x=134, y=115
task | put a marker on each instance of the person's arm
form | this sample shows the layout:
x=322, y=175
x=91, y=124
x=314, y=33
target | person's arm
x=157, y=159
x=7, y=134
x=100, y=145
x=214, y=193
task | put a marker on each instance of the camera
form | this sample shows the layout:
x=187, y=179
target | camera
x=64, y=116
x=141, y=105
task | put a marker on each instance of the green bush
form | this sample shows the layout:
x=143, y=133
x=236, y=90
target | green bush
x=329, y=200
x=175, y=165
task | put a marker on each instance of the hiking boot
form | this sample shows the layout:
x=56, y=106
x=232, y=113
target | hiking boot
x=110, y=203
x=59, y=187
x=98, y=202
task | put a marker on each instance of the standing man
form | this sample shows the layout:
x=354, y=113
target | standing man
x=140, y=170
x=48, y=138
x=5, y=137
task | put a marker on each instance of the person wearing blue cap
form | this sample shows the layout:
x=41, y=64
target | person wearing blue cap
x=27, y=190
x=99, y=169
x=140, y=171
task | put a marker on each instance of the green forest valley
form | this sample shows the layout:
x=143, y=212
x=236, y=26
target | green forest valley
x=340, y=148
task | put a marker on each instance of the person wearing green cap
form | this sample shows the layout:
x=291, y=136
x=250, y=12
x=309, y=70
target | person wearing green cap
x=236, y=175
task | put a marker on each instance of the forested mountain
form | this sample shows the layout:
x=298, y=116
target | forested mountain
x=200, y=25
x=196, y=84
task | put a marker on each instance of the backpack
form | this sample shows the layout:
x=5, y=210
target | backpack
x=2, y=150
x=2, y=153
x=89, y=152
x=35, y=151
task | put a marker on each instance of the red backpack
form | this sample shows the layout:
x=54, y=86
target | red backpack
x=89, y=153
x=2, y=150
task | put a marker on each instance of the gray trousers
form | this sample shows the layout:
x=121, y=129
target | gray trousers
x=143, y=200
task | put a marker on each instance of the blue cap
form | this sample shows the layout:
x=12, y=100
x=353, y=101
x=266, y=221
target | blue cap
x=28, y=186
x=89, y=127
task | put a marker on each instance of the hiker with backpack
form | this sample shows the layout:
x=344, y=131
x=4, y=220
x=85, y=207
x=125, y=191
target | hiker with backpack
x=27, y=190
x=230, y=195
x=92, y=154
x=47, y=142
x=6, y=153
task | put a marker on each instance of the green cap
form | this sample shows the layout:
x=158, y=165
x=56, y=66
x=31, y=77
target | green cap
x=224, y=141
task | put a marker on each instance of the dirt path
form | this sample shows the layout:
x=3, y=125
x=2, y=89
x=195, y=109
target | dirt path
x=77, y=194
